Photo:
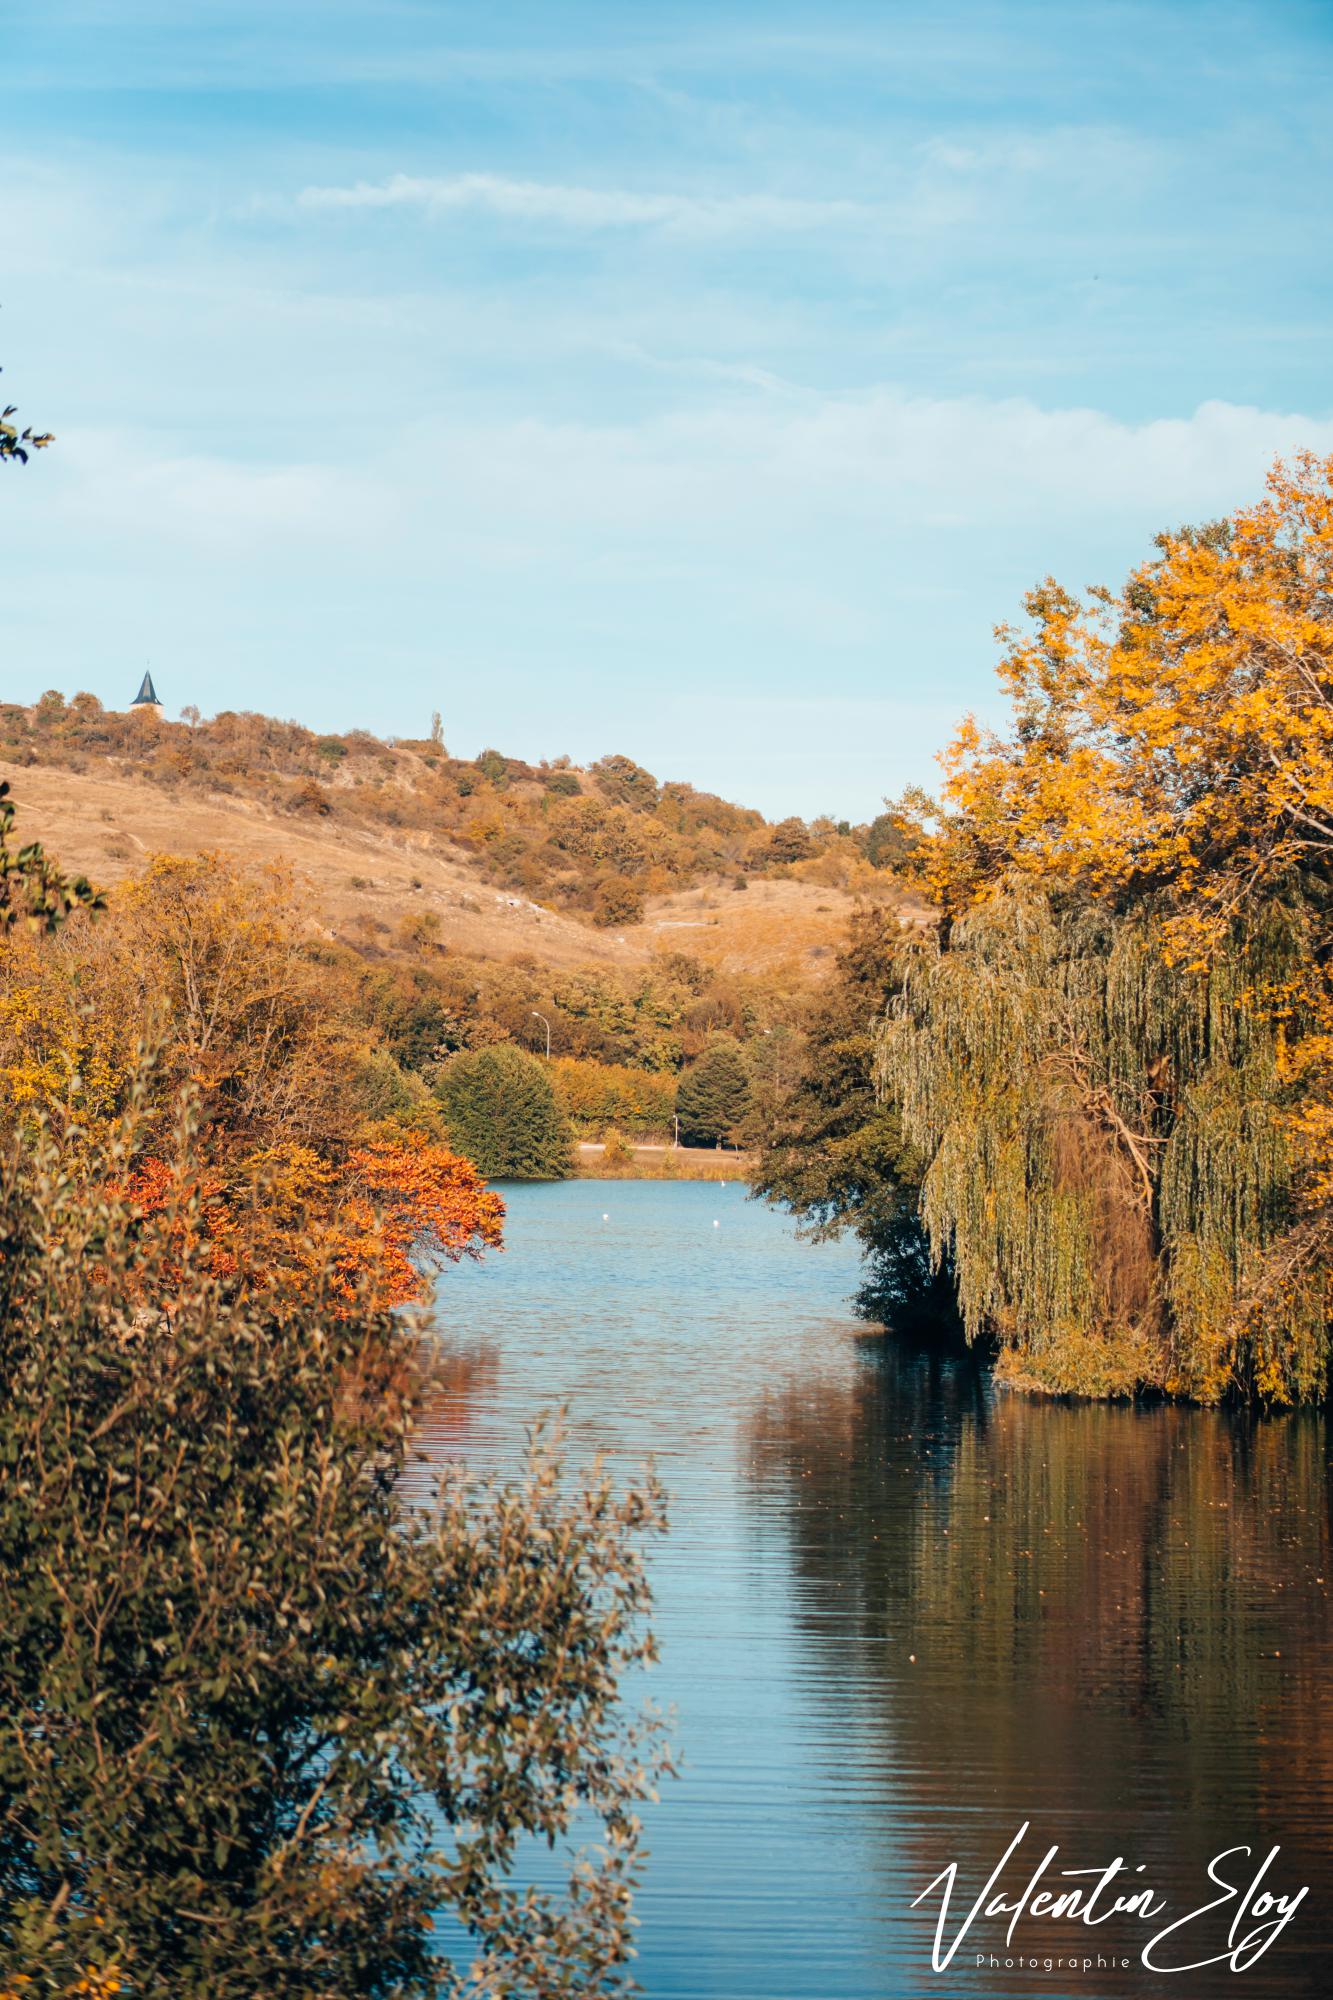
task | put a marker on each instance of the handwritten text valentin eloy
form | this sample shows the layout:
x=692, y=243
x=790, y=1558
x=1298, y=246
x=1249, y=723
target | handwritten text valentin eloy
x=1234, y=1927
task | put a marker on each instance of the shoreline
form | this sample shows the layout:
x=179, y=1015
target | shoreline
x=662, y=1163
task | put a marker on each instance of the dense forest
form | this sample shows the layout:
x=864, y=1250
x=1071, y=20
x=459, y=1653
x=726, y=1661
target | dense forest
x=1095, y=1101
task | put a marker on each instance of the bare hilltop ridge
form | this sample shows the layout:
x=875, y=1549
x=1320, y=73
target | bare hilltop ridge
x=408, y=849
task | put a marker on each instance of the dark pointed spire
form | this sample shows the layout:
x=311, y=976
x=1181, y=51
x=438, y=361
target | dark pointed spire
x=147, y=695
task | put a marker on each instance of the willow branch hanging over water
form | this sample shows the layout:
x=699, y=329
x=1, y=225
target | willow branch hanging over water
x=1110, y=1159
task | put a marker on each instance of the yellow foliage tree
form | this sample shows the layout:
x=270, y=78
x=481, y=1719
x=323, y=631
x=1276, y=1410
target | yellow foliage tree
x=1139, y=872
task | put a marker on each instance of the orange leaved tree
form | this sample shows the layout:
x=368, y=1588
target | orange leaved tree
x=304, y=1153
x=1178, y=735
x=361, y=1231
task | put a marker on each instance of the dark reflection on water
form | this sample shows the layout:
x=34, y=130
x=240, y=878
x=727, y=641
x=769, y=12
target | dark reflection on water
x=1120, y=1619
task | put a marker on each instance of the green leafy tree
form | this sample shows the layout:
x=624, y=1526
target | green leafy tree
x=833, y=1151
x=713, y=1095
x=265, y=1722
x=502, y=1113
x=1109, y=1149
x=893, y=840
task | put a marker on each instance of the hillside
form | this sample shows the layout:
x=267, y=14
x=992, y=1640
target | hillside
x=595, y=840
x=372, y=884
x=405, y=848
x=454, y=905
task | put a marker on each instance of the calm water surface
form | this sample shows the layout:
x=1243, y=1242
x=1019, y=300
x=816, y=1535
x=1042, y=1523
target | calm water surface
x=900, y=1614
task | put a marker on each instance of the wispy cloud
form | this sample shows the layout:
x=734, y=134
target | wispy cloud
x=569, y=207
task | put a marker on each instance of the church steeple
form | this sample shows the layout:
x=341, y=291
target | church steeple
x=147, y=695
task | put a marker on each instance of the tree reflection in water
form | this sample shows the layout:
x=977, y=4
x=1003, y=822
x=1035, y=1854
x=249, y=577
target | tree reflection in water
x=1111, y=1622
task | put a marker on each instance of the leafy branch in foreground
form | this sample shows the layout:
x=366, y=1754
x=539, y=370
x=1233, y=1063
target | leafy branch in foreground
x=32, y=886
x=281, y=1713
x=16, y=443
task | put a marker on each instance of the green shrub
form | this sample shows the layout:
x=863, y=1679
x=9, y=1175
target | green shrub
x=501, y=1112
x=713, y=1095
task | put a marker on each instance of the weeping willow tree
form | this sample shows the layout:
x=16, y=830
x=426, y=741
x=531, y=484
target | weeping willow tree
x=1108, y=1146
x=1118, y=1059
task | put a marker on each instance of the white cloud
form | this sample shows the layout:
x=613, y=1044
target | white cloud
x=798, y=499
x=878, y=461
x=584, y=207
x=584, y=583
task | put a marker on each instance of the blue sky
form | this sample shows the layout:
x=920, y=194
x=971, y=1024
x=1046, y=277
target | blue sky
x=699, y=381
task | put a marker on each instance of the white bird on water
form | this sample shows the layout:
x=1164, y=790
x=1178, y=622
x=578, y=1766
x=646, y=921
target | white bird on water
x=716, y=1223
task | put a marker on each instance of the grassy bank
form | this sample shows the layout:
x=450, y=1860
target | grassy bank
x=660, y=1163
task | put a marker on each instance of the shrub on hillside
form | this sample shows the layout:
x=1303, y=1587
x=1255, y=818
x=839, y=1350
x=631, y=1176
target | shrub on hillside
x=502, y=1113
x=617, y=900
x=625, y=782
x=310, y=799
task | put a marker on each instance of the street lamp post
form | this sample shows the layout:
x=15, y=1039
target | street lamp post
x=546, y=1024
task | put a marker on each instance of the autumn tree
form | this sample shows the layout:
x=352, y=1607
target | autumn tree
x=501, y=1111
x=617, y=900
x=265, y=1723
x=625, y=782
x=593, y=1095
x=789, y=840
x=206, y=966
x=1117, y=1056
x=364, y=1226
x=311, y=1154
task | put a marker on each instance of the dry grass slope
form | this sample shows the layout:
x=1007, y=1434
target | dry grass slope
x=370, y=884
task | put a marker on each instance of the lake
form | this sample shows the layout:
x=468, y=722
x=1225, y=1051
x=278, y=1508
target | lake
x=901, y=1613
